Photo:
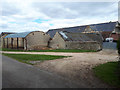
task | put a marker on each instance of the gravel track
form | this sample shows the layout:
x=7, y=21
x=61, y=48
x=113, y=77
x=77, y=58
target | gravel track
x=78, y=67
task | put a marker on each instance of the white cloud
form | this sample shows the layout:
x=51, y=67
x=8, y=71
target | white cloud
x=18, y=15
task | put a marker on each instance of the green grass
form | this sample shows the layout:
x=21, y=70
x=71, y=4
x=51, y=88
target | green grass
x=56, y=50
x=25, y=58
x=109, y=73
x=7, y=49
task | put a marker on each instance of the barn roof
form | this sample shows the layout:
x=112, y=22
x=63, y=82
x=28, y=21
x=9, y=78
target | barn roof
x=105, y=26
x=52, y=32
x=93, y=28
x=18, y=35
x=3, y=33
x=68, y=36
x=109, y=26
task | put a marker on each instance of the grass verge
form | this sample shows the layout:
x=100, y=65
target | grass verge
x=108, y=72
x=56, y=50
x=7, y=49
x=26, y=58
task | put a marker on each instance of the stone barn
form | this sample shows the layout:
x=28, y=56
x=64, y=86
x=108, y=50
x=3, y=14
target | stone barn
x=83, y=41
x=34, y=40
x=106, y=29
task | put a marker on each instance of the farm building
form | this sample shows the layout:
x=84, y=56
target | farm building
x=83, y=41
x=105, y=29
x=116, y=33
x=27, y=40
x=2, y=35
x=115, y=36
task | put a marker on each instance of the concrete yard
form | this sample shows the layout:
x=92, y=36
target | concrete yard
x=77, y=68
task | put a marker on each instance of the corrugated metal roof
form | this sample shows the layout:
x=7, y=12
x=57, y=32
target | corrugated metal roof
x=19, y=35
x=110, y=26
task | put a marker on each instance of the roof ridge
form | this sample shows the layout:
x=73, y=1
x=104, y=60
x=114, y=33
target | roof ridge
x=82, y=25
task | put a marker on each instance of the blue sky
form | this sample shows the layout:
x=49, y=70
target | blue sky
x=40, y=20
x=32, y=15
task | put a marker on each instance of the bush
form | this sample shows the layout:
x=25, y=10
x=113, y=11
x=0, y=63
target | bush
x=118, y=46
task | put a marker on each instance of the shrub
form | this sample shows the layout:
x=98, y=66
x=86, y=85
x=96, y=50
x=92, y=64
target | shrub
x=118, y=46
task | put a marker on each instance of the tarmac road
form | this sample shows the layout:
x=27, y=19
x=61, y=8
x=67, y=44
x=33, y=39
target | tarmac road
x=20, y=75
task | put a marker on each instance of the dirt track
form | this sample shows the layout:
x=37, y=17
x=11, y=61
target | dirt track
x=78, y=67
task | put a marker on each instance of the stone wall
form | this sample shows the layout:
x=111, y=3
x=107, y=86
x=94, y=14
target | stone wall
x=83, y=45
x=37, y=40
x=57, y=42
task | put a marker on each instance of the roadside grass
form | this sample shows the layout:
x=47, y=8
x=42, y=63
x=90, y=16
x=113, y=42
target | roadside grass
x=7, y=49
x=109, y=73
x=56, y=50
x=26, y=58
